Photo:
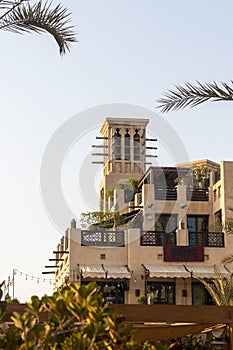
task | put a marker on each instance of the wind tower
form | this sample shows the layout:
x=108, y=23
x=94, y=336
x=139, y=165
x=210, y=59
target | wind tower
x=123, y=152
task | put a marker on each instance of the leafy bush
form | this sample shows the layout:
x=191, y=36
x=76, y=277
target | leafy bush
x=74, y=317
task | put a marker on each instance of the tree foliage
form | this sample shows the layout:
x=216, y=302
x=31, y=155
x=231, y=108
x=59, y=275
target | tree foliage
x=76, y=318
x=19, y=16
x=194, y=342
x=130, y=185
x=133, y=184
x=103, y=219
x=196, y=177
x=191, y=95
x=227, y=226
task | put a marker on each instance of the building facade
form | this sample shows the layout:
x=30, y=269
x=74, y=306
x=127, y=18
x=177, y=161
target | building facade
x=172, y=230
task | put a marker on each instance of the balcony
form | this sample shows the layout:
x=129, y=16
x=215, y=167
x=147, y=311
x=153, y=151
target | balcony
x=102, y=238
x=197, y=194
x=158, y=238
x=207, y=239
x=165, y=193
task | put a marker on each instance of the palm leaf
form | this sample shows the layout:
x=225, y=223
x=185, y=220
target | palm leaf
x=220, y=288
x=8, y=4
x=193, y=95
x=22, y=17
x=228, y=260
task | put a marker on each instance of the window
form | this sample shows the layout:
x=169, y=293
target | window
x=160, y=292
x=136, y=145
x=197, y=226
x=166, y=223
x=117, y=144
x=164, y=231
x=198, y=223
x=127, y=145
x=219, y=191
x=200, y=296
x=218, y=220
x=128, y=195
x=113, y=291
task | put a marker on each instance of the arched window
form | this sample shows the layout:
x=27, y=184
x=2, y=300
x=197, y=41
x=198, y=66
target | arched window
x=127, y=145
x=117, y=144
x=136, y=145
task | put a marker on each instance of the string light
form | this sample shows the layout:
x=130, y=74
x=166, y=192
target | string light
x=27, y=276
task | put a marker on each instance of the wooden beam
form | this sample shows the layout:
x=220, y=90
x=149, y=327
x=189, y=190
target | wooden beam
x=166, y=313
x=175, y=313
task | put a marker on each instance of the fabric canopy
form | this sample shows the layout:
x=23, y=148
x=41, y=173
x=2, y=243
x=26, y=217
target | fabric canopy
x=104, y=271
x=92, y=271
x=166, y=332
x=117, y=271
x=167, y=271
x=206, y=271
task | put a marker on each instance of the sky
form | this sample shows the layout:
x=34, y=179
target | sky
x=127, y=52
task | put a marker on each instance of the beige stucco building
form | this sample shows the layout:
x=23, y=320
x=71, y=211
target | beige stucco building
x=173, y=229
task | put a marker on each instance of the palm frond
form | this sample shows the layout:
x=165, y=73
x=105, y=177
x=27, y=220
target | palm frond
x=8, y=4
x=220, y=288
x=228, y=260
x=193, y=95
x=40, y=18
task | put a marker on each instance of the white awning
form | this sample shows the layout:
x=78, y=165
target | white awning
x=117, y=271
x=206, y=271
x=92, y=271
x=167, y=271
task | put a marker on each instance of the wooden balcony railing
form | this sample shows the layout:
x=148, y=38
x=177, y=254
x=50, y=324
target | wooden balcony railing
x=102, y=238
x=165, y=193
x=197, y=194
x=207, y=239
x=158, y=238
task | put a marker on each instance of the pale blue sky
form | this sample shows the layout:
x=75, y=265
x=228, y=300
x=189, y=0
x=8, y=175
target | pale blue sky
x=128, y=51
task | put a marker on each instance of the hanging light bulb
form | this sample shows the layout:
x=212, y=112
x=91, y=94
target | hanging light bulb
x=26, y=277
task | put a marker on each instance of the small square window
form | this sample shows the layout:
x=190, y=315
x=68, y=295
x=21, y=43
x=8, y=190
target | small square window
x=102, y=256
